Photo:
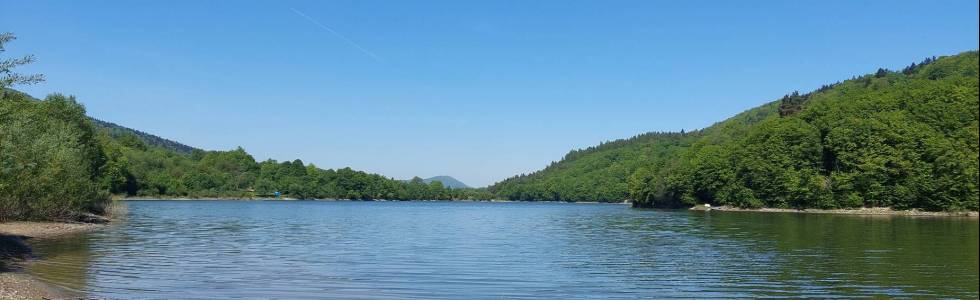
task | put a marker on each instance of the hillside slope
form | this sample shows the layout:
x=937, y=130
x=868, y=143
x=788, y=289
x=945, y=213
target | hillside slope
x=597, y=173
x=904, y=139
x=116, y=131
x=605, y=172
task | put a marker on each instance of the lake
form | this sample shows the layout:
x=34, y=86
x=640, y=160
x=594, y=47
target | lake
x=482, y=250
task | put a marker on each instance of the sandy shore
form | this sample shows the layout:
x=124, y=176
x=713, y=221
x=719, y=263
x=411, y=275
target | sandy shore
x=15, y=284
x=46, y=229
x=881, y=211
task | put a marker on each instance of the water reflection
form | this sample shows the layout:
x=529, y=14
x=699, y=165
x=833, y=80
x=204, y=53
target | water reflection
x=442, y=250
x=860, y=255
x=64, y=262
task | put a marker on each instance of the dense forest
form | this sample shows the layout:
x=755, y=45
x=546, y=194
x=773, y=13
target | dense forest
x=902, y=139
x=905, y=139
x=597, y=173
x=50, y=159
x=116, y=131
x=134, y=168
x=57, y=163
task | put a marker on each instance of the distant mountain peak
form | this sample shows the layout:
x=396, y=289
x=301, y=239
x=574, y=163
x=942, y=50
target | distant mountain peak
x=447, y=181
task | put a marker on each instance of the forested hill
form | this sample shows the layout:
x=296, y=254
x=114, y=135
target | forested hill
x=447, y=181
x=903, y=139
x=597, y=173
x=116, y=131
x=603, y=173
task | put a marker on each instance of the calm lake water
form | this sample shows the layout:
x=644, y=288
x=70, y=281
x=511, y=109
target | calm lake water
x=463, y=250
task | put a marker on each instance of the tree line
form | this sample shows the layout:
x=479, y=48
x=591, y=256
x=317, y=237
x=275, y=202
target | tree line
x=137, y=169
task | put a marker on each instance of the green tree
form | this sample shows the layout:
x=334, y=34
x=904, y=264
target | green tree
x=50, y=162
x=8, y=77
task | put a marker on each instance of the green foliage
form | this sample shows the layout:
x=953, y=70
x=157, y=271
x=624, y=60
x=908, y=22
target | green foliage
x=138, y=169
x=791, y=104
x=902, y=140
x=899, y=139
x=598, y=173
x=50, y=161
x=117, y=131
x=8, y=77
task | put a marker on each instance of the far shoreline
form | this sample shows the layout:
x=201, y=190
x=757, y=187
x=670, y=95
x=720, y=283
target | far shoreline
x=354, y=200
x=864, y=211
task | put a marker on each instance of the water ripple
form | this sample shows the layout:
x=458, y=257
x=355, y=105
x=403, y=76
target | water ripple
x=440, y=250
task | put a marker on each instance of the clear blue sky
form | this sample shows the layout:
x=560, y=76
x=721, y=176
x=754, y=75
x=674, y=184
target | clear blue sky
x=476, y=90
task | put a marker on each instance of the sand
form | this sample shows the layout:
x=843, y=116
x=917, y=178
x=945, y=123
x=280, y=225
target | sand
x=15, y=284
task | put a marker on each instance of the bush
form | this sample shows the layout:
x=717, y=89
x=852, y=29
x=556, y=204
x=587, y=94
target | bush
x=50, y=160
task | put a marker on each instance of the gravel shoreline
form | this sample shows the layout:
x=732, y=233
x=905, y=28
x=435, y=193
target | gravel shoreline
x=15, y=284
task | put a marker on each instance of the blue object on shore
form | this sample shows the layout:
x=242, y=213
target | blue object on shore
x=277, y=194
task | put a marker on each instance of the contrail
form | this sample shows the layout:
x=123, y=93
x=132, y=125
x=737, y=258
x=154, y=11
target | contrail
x=334, y=32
